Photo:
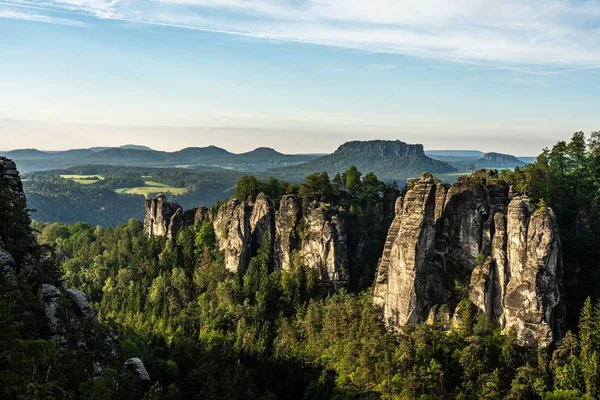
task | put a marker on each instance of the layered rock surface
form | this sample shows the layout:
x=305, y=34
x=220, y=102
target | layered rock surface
x=505, y=250
x=299, y=232
x=312, y=232
x=163, y=218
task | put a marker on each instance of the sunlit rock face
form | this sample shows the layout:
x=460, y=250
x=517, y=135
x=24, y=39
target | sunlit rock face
x=163, y=218
x=298, y=232
x=313, y=235
x=505, y=251
x=232, y=229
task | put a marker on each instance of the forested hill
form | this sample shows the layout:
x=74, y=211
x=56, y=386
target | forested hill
x=385, y=158
x=257, y=160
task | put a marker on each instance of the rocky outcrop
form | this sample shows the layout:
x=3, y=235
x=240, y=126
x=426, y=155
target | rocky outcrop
x=232, y=228
x=83, y=305
x=505, y=251
x=51, y=296
x=70, y=320
x=323, y=243
x=202, y=215
x=16, y=240
x=287, y=239
x=531, y=302
x=163, y=218
x=262, y=223
x=311, y=232
x=315, y=233
x=137, y=368
x=7, y=263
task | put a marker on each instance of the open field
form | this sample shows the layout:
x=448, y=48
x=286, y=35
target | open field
x=83, y=179
x=152, y=187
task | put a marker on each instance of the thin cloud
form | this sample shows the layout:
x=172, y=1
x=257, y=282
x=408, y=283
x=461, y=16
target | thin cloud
x=32, y=17
x=534, y=35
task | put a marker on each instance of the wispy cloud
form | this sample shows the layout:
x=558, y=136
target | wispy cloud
x=33, y=17
x=530, y=35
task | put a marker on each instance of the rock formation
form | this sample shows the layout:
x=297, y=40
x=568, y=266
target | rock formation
x=311, y=230
x=232, y=228
x=137, y=368
x=71, y=321
x=504, y=250
x=287, y=239
x=163, y=218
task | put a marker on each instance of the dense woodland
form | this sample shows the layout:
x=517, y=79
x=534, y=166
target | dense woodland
x=206, y=333
x=57, y=199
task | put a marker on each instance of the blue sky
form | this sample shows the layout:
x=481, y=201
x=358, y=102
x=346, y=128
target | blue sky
x=298, y=75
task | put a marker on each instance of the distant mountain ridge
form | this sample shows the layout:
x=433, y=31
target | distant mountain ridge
x=256, y=160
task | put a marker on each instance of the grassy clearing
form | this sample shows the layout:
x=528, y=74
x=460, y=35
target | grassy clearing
x=147, y=190
x=83, y=179
x=457, y=173
x=155, y=184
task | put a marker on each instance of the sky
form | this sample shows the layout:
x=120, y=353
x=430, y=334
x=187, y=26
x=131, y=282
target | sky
x=300, y=76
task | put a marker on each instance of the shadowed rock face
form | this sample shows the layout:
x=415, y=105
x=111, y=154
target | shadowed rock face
x=71, y=319
x=504, y=250
x=287, y=240
x=16, y=239
x=137, y=368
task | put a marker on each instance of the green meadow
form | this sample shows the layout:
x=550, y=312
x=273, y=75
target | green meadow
x=83, y=179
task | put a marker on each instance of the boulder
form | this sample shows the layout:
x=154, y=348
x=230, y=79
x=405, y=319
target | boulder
x=137, y=368
x=82, y=303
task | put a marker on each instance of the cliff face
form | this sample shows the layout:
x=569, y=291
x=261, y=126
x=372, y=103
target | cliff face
x=499, y=160
x=164, y=218
x=66, y=316
x=314, y=232
x=505, y=250
x=16, y=240
x=305, y=232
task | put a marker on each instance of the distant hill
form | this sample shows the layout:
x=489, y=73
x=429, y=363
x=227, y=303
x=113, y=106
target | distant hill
x=453, y=154
x=386, y=158
x=135, y=147
x=126, y=147
x=498, y=160
x=527, y=160
x=255, y=161
x=119, y=156
x=462, y=160
x=33, y=154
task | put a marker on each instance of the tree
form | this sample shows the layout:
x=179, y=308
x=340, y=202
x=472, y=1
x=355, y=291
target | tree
x=205, y=238
x=317, y=186
x=248, y=186
x=353, y=183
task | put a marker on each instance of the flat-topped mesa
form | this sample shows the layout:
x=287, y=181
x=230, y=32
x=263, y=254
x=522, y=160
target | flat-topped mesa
x=163, y=218
x=506, y=251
